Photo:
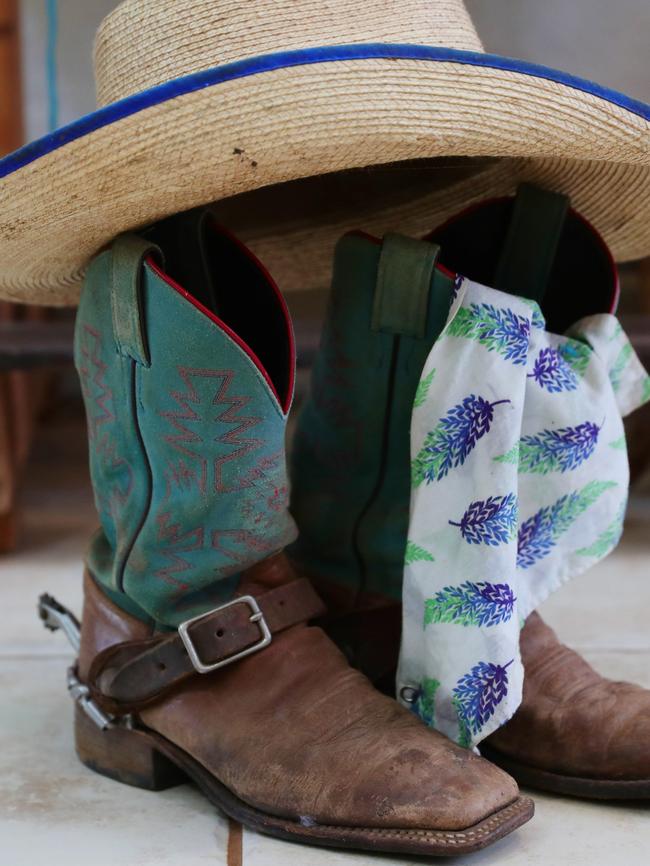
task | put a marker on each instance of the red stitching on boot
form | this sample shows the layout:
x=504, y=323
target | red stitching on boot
x=286, y=403
x=100, y=440
x=230, y=415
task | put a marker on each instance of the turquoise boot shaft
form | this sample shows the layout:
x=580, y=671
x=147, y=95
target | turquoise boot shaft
x=350, y=465
x=186, y=417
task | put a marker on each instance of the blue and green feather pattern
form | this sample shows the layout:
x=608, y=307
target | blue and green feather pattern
x=491, y=521
x=471, y=604
x=554, y=450
x=538, y=534
x=552, y=372
x=478, y=694
x=454, y=437
x=498, y=330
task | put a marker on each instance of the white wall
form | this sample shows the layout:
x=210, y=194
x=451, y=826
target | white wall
x=606, y=40
x=78, y=20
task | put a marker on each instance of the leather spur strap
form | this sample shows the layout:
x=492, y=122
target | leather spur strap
x=128, y=676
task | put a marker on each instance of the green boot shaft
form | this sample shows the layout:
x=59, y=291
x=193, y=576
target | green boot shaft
x=350, y=501
x=186, y=429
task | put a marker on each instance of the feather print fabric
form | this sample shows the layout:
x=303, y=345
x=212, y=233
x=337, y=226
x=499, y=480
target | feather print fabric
x=540, y=533
x=553, y=373
x=498, y=329
x=518, y=482
x=554, y=450
x=484, y=604
x=449, y=444
x=491, y=521
x=479, y=693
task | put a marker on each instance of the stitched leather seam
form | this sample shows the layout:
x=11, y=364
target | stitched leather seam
x=360, y=556
x=149, y=475
x=452, y=837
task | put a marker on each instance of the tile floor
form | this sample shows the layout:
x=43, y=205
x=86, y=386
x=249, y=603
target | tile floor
x=54, y=811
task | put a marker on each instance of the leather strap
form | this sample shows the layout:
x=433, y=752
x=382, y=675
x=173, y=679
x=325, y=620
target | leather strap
x=128, y=253
x=127, y=676
x=406, y=267
x=531, y=244
x=188, y=241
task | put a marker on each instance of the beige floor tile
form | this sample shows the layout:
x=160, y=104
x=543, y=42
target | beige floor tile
x=575, y=833
x=608, y=607
x=53, y=563
x=55, y=812
x=626, y=665
x=262, y=851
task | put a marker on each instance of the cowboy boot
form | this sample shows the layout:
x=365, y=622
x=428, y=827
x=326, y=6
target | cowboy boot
x=575, y=732
x=561, y=738
x=350, y=465
x=195, y=634
x=350, y=462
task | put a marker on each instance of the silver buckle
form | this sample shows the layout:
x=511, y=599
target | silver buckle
x=256, y=616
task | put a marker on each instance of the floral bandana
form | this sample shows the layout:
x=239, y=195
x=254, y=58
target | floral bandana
x=519, y=482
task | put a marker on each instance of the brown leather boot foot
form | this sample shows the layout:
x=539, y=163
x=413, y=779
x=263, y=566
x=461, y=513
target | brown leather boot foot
x=289, y=740
x=576, y=732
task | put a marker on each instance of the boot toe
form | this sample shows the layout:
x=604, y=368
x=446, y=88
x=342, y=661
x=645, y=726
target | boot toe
x=455, y=791
x=415, y=778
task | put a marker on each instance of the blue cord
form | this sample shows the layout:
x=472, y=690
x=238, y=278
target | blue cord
x=52, y=15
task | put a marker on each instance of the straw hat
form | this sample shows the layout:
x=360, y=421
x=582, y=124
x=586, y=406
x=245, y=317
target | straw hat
x=234, y=102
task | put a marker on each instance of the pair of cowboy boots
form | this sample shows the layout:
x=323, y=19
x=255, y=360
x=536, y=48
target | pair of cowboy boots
x=575, y=732
x=196, y=647
x=197, y=656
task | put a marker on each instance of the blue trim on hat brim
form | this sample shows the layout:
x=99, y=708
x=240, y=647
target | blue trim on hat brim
x=161, y=93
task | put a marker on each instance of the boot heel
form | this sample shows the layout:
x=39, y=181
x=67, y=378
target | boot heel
x=124, y=755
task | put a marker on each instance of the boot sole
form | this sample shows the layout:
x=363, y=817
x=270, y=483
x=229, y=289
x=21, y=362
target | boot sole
x=570, y=786
x=142, y=758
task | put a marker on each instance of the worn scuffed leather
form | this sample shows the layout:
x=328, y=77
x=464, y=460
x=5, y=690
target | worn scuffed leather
x=295, y=731
x=140, y=672
x=573, y=721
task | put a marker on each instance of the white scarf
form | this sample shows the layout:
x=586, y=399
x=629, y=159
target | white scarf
x=519, y=482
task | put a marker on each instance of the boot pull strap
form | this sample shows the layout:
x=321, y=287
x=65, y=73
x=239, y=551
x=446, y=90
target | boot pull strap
x=404, y=276
x=128, y=254
x=188, y=241
x=126, y=677
x=531, y=243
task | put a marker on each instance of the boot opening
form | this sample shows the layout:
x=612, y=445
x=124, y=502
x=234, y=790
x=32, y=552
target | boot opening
x=471, y=245
x=217, y=273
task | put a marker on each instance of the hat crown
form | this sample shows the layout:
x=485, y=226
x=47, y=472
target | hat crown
x=143, y=43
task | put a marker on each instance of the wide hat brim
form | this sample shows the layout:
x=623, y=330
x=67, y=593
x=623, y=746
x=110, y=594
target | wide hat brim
x=229, y=133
